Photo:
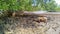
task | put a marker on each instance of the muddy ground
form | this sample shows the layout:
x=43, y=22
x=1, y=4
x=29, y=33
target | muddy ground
x=27, y=25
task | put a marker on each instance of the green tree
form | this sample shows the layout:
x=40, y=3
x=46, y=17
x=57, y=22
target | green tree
x=15, y=5
x=3, y=5
x=46, y=5
x=57, y=8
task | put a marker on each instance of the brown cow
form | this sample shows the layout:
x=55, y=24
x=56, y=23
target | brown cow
x=41, y=19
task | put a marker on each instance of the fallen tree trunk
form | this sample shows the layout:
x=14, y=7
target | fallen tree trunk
x=41, y=14
x=27, y=14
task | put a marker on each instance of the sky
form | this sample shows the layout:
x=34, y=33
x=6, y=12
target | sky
x=58, y=2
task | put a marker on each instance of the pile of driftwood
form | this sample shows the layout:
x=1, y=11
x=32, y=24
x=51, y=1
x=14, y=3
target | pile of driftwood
x=41, y=17
x=21, y=13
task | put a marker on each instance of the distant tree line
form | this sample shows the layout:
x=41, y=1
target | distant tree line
x=27, y=5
